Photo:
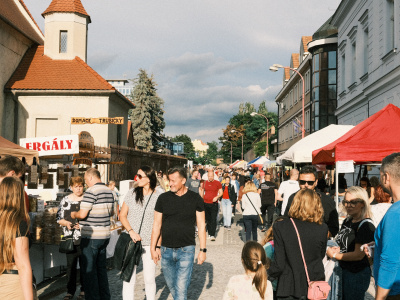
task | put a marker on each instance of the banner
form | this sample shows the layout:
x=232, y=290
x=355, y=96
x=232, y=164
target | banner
x=52, y=145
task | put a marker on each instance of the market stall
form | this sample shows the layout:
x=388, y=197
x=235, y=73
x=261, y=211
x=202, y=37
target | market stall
x=9, y=148
x=61, y=157
x=301, y=152
x=370, y=141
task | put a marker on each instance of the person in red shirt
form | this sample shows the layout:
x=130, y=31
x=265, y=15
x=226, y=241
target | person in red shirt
x=211, y=191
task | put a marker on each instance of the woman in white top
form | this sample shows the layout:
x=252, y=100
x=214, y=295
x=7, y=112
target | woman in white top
x=254, y=283
x=139, y=205
x=251, y=205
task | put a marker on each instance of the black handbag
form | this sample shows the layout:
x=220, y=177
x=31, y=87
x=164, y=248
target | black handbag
x=67, y=244
x=128, y=253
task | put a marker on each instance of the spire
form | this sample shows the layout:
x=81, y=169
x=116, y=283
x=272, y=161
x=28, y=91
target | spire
x=73, y=6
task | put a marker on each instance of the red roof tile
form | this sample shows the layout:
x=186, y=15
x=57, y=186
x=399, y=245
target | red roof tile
x=74, y=6
x=295, y=60
x=37, y=71
x=306, y=40
x=12, y=15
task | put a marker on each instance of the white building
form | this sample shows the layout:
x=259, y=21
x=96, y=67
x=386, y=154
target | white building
x=200, y=147
x=368, y=59
x=53, y=83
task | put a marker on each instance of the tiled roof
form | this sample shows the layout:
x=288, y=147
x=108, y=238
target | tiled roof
x=306, y=40
x=295, y=60
x=74, y=6
x=12, y=15
x=286, y=74
x=37, y=71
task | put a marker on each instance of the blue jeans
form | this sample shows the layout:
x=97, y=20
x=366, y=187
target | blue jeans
x=94, y=268
x=250, y=223
x=177, y=266
x=355, y=285
x=227, y=211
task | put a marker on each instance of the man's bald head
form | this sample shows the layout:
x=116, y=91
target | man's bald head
x=294, y=174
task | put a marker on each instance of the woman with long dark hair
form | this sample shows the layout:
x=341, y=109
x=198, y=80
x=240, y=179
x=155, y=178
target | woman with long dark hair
x=15, y=266
x=139, y=204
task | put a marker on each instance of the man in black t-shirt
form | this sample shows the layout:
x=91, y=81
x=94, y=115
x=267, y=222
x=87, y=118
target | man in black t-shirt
x=175, y=216
x=267, y=191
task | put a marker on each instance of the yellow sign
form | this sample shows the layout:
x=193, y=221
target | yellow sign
x=80, y=121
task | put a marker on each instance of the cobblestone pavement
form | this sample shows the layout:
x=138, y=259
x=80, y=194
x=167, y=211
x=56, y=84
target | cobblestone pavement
x=208, y=280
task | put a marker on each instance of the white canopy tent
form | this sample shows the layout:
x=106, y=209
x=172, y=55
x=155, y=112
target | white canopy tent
x=259, y=161
x=301, y=152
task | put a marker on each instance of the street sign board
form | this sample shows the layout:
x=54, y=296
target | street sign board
x=105, y=121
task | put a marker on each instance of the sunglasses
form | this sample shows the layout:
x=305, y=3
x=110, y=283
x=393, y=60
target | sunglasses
x=309, y=182
x=352, y=203
x=140, y=176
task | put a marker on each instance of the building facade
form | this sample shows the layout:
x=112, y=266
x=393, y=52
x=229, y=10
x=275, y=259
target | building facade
x=290, y=102
x=52, y=84
x=368, y=59
x=200, y=147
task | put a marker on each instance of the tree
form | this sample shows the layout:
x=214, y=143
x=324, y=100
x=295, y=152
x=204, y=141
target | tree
x=250, y=127
x=148, y=116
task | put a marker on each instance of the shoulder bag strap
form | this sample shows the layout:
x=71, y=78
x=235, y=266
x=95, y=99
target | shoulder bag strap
x=252, y=204
x=145, y=211
x=364, y=221
x=301, y=249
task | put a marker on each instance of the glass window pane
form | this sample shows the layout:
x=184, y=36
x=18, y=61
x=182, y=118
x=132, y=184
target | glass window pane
x=316, y=79
x=324, y=60
x=316, y=62
x=331, y=107
x=332, y=59
x=316, y=124
x=323, y=122
x=323, y=78
x=332, y=120
x=332, y=92
x=316, y=108
x=316, y=93
x=63, y=41
x=323, y=108
x=332, y=76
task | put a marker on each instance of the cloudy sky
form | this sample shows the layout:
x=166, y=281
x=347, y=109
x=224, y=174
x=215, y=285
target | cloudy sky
x=206, y=56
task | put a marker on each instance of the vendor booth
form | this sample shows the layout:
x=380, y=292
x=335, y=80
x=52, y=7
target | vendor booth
x=301, y=152
x=9, y=148
x=61, y=157
x=368, y=142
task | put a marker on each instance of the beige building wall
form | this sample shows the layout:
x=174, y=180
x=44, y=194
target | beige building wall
x=200, y=146
x=75, y=25
x=13, y=46
x=41, y=115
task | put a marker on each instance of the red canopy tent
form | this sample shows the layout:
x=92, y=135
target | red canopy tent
x=370, y=141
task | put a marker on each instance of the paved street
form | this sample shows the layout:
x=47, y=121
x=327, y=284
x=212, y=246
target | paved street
x=208, y=280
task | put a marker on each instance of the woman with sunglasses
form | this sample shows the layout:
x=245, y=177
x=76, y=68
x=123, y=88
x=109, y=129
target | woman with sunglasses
x=357, y=229
x=139, y=204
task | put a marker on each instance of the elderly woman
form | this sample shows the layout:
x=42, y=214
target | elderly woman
x=357, y=229
x=307, y=213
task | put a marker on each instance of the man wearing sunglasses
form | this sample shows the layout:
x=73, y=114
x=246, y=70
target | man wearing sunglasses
x=308, y=180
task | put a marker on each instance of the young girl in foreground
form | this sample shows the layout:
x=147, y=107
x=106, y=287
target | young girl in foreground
x=254, y=283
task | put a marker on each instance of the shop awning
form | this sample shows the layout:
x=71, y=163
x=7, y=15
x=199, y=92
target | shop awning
x=302, y=151
x=9, y=148
x=370, y=141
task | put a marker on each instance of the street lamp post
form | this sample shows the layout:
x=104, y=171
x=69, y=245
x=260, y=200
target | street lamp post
x=254, y=114
x=274, y=68
x=233, y=130
x=231, y=147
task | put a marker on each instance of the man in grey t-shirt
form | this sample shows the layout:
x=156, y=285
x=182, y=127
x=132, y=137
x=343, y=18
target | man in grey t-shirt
x=193, y=183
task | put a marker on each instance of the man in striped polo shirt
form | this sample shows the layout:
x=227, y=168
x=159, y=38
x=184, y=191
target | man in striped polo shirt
x=95, y=210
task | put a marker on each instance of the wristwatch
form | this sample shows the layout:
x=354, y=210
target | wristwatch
x=203, y=249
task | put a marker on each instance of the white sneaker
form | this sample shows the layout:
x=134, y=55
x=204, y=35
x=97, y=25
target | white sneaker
x=213, y=238
x=208, y=236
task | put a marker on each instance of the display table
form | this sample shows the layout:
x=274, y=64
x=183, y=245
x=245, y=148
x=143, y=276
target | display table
x=47, y=261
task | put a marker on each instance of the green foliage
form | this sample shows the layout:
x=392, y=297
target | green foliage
x=260, y=148
x=148, y=115
x=252, y=128
x=212, y=151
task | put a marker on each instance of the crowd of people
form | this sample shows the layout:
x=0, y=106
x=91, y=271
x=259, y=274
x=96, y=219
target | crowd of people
x=166, y=212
